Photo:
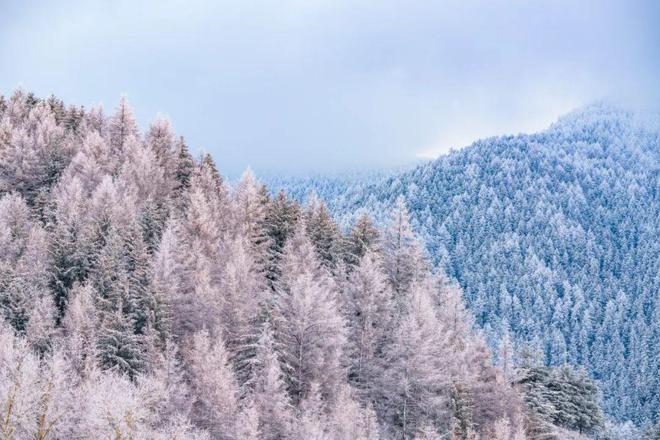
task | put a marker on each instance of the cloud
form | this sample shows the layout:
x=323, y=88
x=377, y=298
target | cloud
x=329, y=85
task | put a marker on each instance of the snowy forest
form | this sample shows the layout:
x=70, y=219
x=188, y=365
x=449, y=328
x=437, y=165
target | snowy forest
x=554, y=238
x=145, y=297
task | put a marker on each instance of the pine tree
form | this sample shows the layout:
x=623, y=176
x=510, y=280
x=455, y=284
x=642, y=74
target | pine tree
x=461, y=405
x=324, y=234
x=162, y=141
x=184, y=167
x=505, y=352
x=250, y=204
x=123, y=303
x=70, y=242
x=363, y=238
x=242, y=304
x=165, y=282
x=32, y=158
x=247, y=424
x=282, y=216
x=312, y=421
x=119, y=348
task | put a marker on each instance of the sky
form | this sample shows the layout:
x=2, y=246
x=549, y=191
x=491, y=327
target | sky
x=305, y=86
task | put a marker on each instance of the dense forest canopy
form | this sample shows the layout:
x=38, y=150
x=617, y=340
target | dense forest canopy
x=554, y=238
x=144, y=297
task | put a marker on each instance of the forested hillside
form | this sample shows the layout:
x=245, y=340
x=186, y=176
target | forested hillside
x=142, y=297
x=554, y=238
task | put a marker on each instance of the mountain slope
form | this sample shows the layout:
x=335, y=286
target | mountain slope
x=554, y=238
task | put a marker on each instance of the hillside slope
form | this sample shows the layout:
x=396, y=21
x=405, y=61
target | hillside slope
x=554, y=238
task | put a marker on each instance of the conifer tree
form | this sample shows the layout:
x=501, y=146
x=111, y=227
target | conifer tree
x=324, y=234
x=80, y=326
x=161, y=139
x=215, y=404
x=368, y=310
x=121, y=127
x=308, y=326
x=184, y=167
x=242, y=304
x=71, y=245
x=24, y=262
x=282, y=215
x=364, y=237
x=269, y=389
x=404, y=262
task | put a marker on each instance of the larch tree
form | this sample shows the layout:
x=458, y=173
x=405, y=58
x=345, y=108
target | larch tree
x=367, y=305
x=350, y=420
x=404, y=260
x=268, y=389
x=24, y=262
x=413, y=388
x=214, y=387
x=242, y=303
x=80, y=327
x=309, y=328
x=121, y=127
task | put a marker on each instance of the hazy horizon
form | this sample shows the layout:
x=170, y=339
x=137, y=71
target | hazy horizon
x=329, y=87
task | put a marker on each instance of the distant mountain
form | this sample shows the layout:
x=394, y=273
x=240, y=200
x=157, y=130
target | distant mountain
x=554, y=237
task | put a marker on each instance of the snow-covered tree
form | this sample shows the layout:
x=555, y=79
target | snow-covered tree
x=368, y=310
x=308, y=325
x=24, y=262
x=214, y=387
x=268, y=389
x=404, y=261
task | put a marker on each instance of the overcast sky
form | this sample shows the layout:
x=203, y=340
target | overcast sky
x=303, y=85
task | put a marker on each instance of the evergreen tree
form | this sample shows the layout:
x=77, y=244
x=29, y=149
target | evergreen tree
x=324, y=234
x=363, y=237
x=461, y=405
x=282, y=215
x=24, y=262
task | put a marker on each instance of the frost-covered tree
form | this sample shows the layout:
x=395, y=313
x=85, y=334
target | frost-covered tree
x=404, y=261
x=524, y=224
x=412, y=390
x=268, y=389
x=368, y=310
x=24, y=262
x=324, y=233
x=282, y=216
x=121, y=127
x=214, y=387
x=362, y=238
x=142, y=297
x=309, y=328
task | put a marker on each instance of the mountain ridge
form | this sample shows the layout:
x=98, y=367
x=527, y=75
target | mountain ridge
x=563, y=224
